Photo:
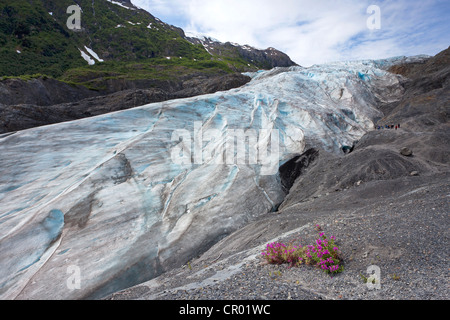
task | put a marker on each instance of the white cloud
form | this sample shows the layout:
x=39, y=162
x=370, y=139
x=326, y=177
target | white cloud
x=312, y=31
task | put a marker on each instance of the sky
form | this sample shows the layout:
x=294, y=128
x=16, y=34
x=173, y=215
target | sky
x=316, y=31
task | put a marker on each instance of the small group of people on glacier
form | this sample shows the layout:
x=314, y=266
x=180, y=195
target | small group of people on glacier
x=392, y=126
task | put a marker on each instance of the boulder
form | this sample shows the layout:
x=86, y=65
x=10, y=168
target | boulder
x=406, y=152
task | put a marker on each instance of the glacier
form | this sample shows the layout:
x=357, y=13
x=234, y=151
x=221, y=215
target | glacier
x=128, y=195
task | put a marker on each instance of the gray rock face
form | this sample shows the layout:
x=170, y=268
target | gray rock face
x=291, y=170
x=29, y=104
x=41, y=92
x=267, y=59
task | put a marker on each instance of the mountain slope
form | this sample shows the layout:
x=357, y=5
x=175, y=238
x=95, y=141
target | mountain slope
x=264, y=59
x=37, y=29
x=33, y=42
x=36, y=39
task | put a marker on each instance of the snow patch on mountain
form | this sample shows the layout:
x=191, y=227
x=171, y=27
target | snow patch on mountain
x=120, y=4
x=87, y=57
x=95, y=55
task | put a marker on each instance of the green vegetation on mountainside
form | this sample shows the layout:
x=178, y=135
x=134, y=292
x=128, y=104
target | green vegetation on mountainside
x=133, y=43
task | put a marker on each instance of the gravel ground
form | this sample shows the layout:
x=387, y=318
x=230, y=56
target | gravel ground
x=404, y=234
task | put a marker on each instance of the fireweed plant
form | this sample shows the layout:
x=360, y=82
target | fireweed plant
x=324, y=254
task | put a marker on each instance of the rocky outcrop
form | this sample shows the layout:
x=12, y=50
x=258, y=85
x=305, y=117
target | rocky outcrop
x=41, y=91
x=406, y=152
x=60, y=102
x=291, y=170
x=266, y=59
x=425, y=101
x=270, y=57
x=424, y=67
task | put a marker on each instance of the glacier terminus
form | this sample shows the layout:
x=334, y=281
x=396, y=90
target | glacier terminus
x=128, y=195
